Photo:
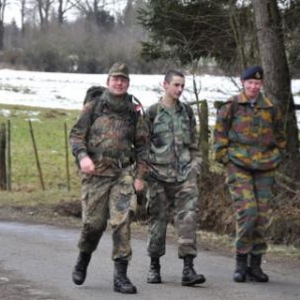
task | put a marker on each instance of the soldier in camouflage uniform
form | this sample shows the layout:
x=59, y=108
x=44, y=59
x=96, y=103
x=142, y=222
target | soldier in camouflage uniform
x=107, y=140
x=175, y=163
x=249, y=141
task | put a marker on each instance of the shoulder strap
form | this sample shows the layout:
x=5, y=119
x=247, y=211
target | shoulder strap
x=233, y=109
x=97, y=109
x=137, y=104
x=234, y=105
x=188, y=109
x=153, y=112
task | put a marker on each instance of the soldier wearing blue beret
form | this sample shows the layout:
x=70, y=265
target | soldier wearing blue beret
x=249, y=140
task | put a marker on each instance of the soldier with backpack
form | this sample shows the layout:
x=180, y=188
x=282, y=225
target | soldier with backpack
x=249, y=140
x=109, y=141
x=174, y=166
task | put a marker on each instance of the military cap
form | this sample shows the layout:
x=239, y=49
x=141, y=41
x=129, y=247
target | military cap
x=119, y=69
x=254, y=72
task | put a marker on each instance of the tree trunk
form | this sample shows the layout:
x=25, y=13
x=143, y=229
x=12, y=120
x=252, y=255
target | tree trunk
x=60, y=12
x=1, y=35
x=204, y=135
x=277, y=81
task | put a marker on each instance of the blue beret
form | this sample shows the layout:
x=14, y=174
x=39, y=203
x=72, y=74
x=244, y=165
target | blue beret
x=255, y=72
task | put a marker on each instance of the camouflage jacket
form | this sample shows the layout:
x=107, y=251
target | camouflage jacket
x=173, y=143
x=114, y=137
x=253, y=137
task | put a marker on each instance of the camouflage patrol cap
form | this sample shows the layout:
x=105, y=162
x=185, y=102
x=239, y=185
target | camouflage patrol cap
x=119, y=69
x=254, y=72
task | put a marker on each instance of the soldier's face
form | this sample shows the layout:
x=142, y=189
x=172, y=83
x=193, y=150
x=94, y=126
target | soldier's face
x=175, y=87
x=117, y=85
x=252, y=87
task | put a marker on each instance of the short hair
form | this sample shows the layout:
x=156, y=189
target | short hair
x=171, y=73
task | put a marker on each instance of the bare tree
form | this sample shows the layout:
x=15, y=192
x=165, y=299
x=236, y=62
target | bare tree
x=92, y=8
x=63, y=7
x=44, y=9
x=274, y=61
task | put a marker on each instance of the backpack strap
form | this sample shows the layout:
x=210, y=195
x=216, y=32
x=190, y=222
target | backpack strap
x=137, y=104
x=189, y=110
x=152, y=114
x=233, y=109
x=153, y=111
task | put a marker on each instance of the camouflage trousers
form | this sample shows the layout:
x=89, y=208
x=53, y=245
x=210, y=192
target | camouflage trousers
x=166, y=200
x=250, y=191
x=103, y=199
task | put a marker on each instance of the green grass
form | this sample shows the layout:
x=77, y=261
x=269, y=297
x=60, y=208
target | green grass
x=49, y=134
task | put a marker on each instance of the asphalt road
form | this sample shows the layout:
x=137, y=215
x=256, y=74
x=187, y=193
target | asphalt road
x=36, y=262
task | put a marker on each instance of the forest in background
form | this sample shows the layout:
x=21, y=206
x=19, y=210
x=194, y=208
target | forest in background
x=151, y=35
x=88, y=36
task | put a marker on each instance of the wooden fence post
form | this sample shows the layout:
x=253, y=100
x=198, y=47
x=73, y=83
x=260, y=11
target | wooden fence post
x=36, y=156
x=203, y=137
x=3, y=178
x=8, y=155
x=67, y=157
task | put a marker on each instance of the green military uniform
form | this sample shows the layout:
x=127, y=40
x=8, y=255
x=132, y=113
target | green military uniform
x=110, y=142
x=115, y=140
x=174, y=161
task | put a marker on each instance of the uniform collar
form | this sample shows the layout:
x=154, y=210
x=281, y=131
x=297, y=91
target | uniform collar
x=178, y=106
x=261, y=101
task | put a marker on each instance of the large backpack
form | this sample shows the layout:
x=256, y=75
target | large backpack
x=97, y=91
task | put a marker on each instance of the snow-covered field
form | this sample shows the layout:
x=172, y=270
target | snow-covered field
x=67, y=90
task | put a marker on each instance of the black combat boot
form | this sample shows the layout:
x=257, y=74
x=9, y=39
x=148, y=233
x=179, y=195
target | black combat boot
x=121, y=282
x=79, y=272
x=240, y=271
x=255, y=272
x=189, y=276
x=154, y=271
